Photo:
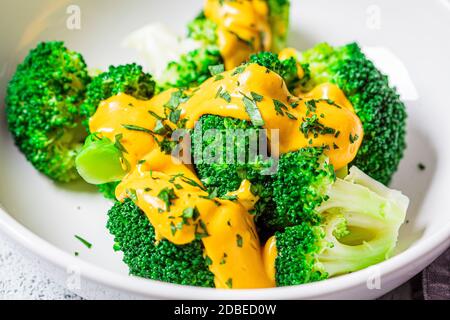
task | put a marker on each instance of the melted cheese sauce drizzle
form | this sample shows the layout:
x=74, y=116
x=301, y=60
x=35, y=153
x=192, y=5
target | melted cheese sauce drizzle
x=232, y=244
x=242, y=28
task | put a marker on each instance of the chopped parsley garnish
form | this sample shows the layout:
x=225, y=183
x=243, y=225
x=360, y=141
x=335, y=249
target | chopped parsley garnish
x=239, y=240
x=225, y=95
x=312, y=125
x=136, y=128
x=238, y=70
x=199, y=234
x=279, y=107
x=229, y=283
x=160, y=128
x=219, y=68
x=421, y=166
x=218, y=77
x=167, y=195
x=174, y=116
x=291, y=116
x=83, y=241
x=118, y=143
x=256, y=97
x=224, y=258
x=352, y=138
x=155, y=115
x=191, y=213
x=208, y=261
x=252, y=111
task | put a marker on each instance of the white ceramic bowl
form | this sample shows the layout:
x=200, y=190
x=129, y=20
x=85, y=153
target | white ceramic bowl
x=408, y=39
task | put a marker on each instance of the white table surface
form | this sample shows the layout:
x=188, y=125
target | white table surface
x=21, y=277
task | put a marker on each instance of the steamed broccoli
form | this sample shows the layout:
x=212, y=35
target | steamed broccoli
x=299, y=187
x=358, y=227
x=376, y=103
x=129, y=79
x=42, y=108
x=193, y=67
x=221, y=176
x=287, y=69
x=158, y=260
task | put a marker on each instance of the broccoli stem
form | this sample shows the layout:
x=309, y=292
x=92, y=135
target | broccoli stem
x=372, y=214
x=341, y=258
x=100, y=161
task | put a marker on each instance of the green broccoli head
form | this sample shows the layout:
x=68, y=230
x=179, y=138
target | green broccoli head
x=203, y=30
x=376, y=103
x=287, y=69
x=42, y=108
x=299, y=186
x=158, y=260
x=129, y=79
x=191, y=69
x=358, y=227
x=108, y=190
x=220, y=175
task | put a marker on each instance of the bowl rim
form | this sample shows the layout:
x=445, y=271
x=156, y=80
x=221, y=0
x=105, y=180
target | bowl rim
x=417, y=254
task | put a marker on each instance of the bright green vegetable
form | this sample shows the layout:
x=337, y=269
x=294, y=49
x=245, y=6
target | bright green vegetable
x=192, y=68
x=42, y=108
x=376, y=103
x=358, y=227
x=162, y=260
x=221, y=176
x=100, y=161
x=129, y=79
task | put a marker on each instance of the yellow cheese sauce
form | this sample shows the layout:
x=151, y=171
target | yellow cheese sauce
x=225, y=227
x=242, y=28
x=232, y=244
x=288, y=53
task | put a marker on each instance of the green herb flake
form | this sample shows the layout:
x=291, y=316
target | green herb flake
x=83, y=241
x=214, y=70
x=167, y=195
x=239, y=240
x=256, y=97
x=208, y=261
x=118, y=144
x=136, y=128
x=354, y=138
x=253, y=111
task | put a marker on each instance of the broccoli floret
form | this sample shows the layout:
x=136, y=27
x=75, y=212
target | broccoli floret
x=129, y=79
x=158, y=260
x=299, y=186
x=203, y=30
x=108, y=189
x=279, y=23
x=42, y=108
x=191, y=69
x=287, y=68
x=358, y=227
x=378, y=105
x=222, y=176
